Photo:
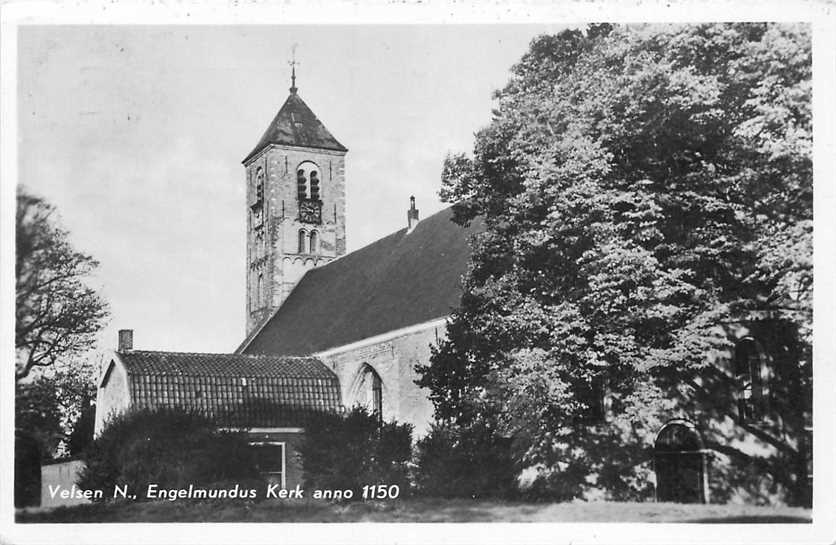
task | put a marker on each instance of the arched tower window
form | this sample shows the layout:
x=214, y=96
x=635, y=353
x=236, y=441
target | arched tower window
x=314, y=185
x=308, y=181
x=314, y=242
x=259, y=291
x=302, y=240
x=301, y=184
x=258, y=244
x=751, y=372
x=259, y=185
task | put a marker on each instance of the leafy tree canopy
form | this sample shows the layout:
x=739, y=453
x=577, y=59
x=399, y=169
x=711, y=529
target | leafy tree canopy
x=640, y=186
x=56, y=408
x=56, y=314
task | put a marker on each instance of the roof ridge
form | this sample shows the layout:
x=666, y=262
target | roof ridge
x=381, y=239
x=230, y=354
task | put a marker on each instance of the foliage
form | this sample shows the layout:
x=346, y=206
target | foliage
x=81, y=435
x=471, y=462
x=354, y=450
x=27, y=470
x=54, y=407
x=56, y=314
x=169, y=447
x=641, y=187
x=38, y=413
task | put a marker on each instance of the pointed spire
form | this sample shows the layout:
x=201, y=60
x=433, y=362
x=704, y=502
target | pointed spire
x=293, y=64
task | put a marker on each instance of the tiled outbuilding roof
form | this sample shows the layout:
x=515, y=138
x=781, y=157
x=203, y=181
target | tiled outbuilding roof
x=296, y=125
x=401, y=280
x=235, y=390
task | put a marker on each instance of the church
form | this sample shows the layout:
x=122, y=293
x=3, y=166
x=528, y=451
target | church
x=326, y=329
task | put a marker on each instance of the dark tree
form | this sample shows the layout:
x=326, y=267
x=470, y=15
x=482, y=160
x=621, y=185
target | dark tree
x=56, y=314
x=57, y=410
x=38, y=414
x=349, y=451
x=171, y=448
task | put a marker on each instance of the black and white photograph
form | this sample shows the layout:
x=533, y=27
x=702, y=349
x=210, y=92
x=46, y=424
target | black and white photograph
x=524, y=267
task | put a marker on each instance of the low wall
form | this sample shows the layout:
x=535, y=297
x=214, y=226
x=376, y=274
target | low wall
x=60, y=477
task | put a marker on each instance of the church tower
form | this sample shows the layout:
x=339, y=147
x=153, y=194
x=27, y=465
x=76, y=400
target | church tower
x=295, y=180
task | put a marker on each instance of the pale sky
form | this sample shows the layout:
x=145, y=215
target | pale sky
x=137, y=134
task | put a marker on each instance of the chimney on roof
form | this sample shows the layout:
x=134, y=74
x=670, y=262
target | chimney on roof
x=126, y=339
x=411, y=215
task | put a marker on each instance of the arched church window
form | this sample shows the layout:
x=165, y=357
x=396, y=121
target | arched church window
x=594, y=393
x=302, y=240
x=314, y=185
x=314, y=241
x=377, y=394
x=301, y=184
x=369, y=390
x=750, y=370
x=259, y=291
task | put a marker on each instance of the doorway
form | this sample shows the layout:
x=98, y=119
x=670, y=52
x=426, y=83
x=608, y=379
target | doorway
x=681, y=463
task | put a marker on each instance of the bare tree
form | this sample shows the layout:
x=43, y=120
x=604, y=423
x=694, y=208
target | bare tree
x=57, y=315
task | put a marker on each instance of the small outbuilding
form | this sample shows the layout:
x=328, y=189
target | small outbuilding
x=271, y=397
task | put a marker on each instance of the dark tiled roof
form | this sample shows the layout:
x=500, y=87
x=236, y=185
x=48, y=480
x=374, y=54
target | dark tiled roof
x=296, y=125
x=279, y=392
x=398, y=281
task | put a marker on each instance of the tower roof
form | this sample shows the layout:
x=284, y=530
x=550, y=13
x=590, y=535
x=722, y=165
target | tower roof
x=296, y=125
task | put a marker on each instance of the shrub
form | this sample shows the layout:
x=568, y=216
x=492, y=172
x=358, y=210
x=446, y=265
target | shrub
x=27, y=470
x=83, y=428
x=171, y=448
x=354, y=450
x=453, y=461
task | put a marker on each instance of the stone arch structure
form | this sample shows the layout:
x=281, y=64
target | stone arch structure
x=367, y=390
x=680, y=461
x=308, y=180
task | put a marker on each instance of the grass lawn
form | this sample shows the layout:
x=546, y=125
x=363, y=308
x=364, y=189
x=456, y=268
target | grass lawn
x=410, y=510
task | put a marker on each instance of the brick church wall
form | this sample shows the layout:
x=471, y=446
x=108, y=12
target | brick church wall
x=393, y=357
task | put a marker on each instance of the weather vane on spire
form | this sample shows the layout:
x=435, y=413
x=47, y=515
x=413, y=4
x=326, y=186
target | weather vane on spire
x=293, y=64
